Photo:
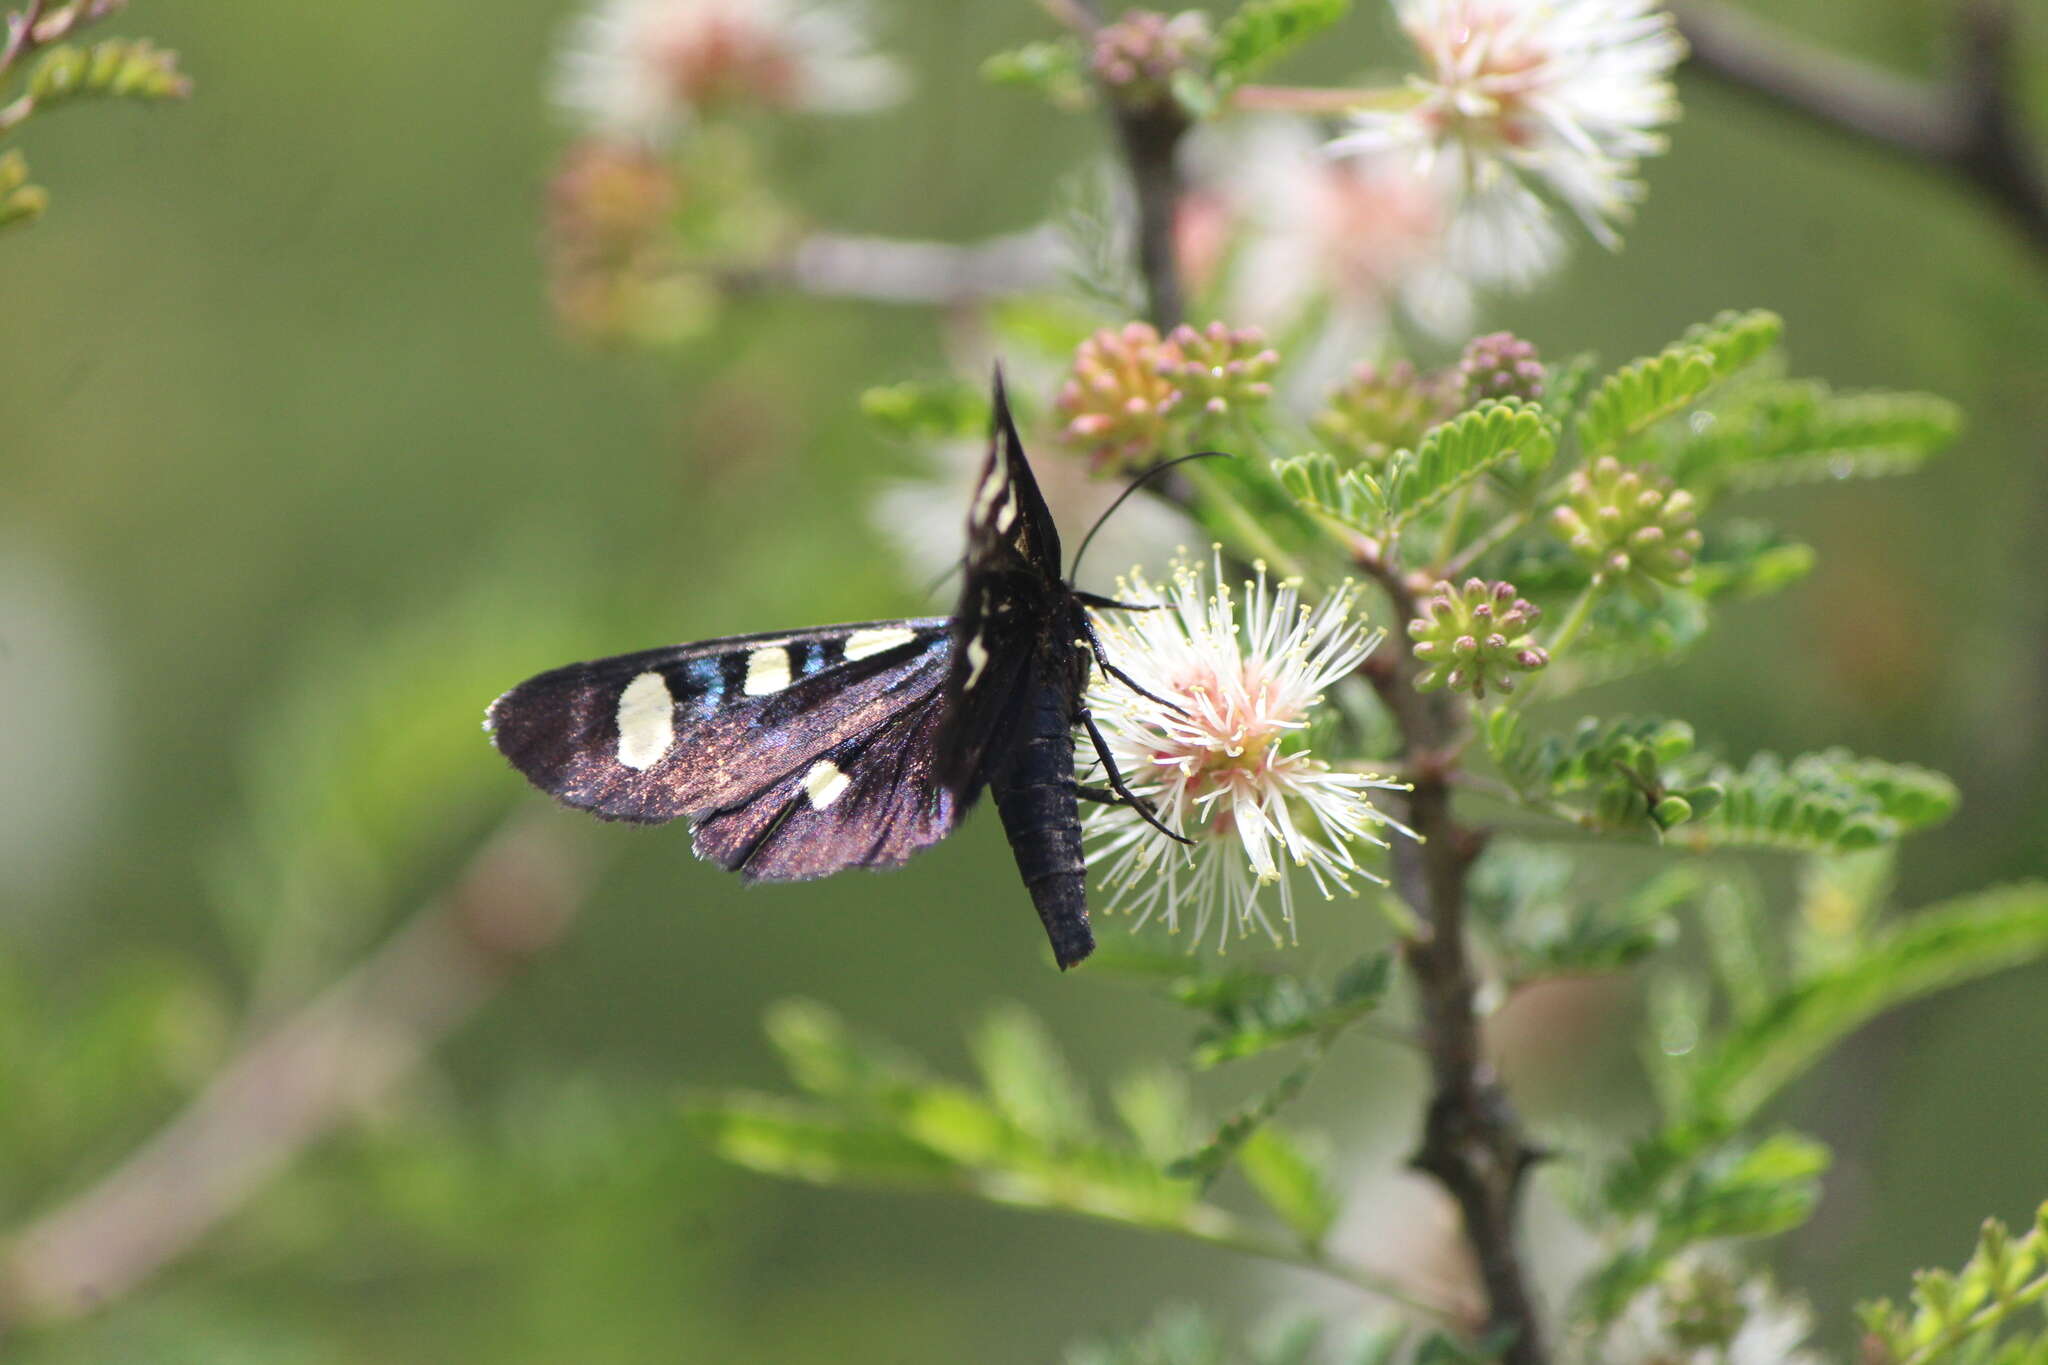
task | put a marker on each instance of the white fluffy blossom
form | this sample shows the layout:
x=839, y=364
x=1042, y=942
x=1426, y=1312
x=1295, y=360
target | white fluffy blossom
x=1223, y=761
x=1564, y=96
x=1297, y=228
x=644, y=69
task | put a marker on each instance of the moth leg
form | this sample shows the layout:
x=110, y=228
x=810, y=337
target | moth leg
x=1101, y=796
x=1101, y=659
x=1089, y=599
x=1116, y=781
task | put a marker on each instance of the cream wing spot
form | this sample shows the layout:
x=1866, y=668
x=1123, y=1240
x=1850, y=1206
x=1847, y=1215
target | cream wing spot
x=647, y=721
x=977, y=659
x=767, y=671
x=824, y=783
x=863, y=643
x=992, y=484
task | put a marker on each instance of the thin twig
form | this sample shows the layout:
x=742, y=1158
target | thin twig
x=1968, y=125
x=295, y=1083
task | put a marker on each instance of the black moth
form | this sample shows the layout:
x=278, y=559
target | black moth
x=795, y=755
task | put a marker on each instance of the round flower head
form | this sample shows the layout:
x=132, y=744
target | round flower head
x=1222, y=761
x=1561, y=94
x=643, y=69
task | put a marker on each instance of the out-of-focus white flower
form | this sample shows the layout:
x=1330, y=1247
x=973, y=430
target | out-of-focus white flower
x=1707, y=1312
x=1368, y=233
x=1565, y=95
x=1222, y=763
x=644, y=69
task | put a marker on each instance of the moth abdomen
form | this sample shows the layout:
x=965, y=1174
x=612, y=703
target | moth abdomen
x=1041, y=815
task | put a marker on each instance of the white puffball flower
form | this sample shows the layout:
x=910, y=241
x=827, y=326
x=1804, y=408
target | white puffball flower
x=643, y=70
x=1562, y=96
x=1217, y=752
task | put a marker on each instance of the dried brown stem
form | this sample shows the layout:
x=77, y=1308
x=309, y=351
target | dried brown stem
x=296, y=1082
x=1968, y=125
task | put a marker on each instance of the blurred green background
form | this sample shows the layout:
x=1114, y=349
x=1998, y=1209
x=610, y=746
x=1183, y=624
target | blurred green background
x=296, y=472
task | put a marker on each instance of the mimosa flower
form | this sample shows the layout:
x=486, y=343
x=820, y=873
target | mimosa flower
x=1225, y=763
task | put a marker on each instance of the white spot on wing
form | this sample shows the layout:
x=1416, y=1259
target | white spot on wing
x=1007, y=513
x=767, y=671
x=991, y=488
x=862, y=643
x=977, y=659
x=647, y=721
x=824, y=783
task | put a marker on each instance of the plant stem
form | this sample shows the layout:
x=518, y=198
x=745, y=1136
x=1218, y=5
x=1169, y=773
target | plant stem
x=1447, y=543
x=1575, y=619
x=1472, y=1142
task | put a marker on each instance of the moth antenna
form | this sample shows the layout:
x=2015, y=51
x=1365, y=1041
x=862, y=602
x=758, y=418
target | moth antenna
x=1154, y=472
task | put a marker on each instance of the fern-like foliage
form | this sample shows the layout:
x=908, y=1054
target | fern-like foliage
x=1638, y=395
x=1251, y=1012
x=1641, y=393
x=1972, y=1315
x=1027, y=1136
x=1450, y=456
x=1261, y=32
x=1829, y=801
x=1800, y=431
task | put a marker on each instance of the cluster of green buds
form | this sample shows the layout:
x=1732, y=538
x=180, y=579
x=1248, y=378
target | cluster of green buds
x=1137, y=57
x=133, y=68
x=1499, y=365
x=1630, y=525
x=20, y=202
x=1129, y=386
x=1475, y=637
x=1378, y=411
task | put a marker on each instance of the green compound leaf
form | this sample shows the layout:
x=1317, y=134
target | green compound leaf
x=1824, y=802
x=1973, y=1315
x=1736, y=339
x=1936, y=948
x=1293, y=1183
x=876, y=1117
x=1351, y=497
x=1800, y=431
x=1214, y=1156
x=941, y=409
x=1456, y=452
x=1727, y=1192
x=1639, y=394
x=775, y=1137
x=1525, y=899
x=1254, y=1012
x=1028, y=1079
x=1450, y=456
x=1261, y=32
x=1053, y=70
